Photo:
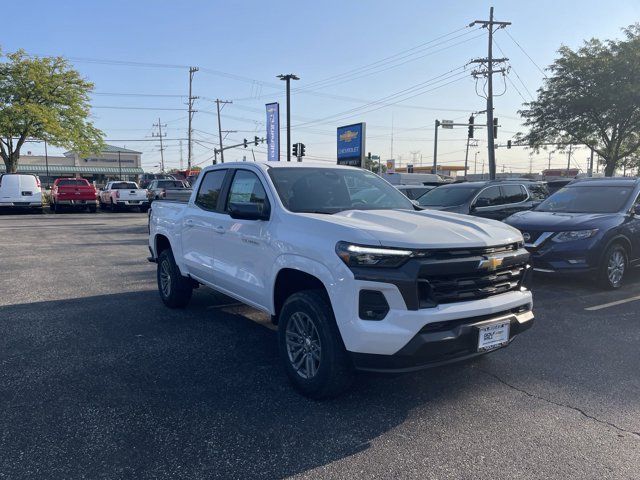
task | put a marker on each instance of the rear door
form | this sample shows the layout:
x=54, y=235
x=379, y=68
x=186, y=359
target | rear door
x=516, y=199
x=199, y=221
x=9, y=188
x=488, y=203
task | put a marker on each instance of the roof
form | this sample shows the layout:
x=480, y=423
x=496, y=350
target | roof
x=112, y=149
x=606, y=182
x=70, y=169
x=284, y=164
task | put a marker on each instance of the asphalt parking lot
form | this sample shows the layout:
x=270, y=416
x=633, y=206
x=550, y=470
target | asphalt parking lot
x=99, y=380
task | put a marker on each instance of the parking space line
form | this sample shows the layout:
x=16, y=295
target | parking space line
x=613, y=304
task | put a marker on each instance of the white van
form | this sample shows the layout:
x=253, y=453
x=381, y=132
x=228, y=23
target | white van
x=20, y=191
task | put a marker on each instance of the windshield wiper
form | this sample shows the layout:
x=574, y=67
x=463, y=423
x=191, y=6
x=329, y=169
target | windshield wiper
x=323, y=212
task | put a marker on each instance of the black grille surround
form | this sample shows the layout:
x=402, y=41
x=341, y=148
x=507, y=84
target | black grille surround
x=454, y=275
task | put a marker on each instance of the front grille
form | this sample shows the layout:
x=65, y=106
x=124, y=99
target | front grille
x=532, y=236
x=458, y=288
x=471, y=277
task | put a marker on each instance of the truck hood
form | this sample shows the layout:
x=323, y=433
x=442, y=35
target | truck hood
x=426, y=228
x=558, y=222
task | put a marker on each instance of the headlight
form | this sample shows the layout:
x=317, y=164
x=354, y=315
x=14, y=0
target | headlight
x=366, y=256
x=574, y=235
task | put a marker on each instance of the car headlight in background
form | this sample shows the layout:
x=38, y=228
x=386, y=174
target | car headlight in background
x=574, y=235
x=365, y=256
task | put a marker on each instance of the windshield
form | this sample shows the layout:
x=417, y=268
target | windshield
x=447, y=196
x=332, y=190
x=124, y=186
x=587, y=199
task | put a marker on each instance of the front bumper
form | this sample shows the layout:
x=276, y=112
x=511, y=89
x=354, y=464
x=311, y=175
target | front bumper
x=441, y=343
x=580, y=257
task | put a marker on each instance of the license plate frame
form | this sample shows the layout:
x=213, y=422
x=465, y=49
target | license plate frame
x=493, y=335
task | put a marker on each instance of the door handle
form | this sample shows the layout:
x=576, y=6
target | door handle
x=189, y=222
x=219, y=229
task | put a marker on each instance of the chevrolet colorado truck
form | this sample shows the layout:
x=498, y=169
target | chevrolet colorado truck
x=352, y=284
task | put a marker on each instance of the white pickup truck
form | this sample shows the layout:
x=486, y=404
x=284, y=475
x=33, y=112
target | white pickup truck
x=352, y=284
x=120, y=194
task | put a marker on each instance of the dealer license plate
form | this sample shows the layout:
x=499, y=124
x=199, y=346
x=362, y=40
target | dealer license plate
x=493, y=335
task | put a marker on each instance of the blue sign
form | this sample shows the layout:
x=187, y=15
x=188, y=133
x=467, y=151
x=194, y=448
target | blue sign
x=351, y=144
x=273, y=132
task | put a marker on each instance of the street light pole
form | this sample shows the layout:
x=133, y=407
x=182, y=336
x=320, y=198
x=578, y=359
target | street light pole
x=287, y=78
x=119, y=166
x=46, y=162
x=435, y=149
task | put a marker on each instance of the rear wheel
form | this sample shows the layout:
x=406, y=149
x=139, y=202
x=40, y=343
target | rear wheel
x=613, y=267
x=311, y=347
x=175, y=290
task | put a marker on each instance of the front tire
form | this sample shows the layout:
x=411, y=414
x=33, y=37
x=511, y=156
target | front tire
x=311, y=347
x=175, y=290
x=613, y=267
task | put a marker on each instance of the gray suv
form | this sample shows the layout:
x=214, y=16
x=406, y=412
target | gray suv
x=495, y=199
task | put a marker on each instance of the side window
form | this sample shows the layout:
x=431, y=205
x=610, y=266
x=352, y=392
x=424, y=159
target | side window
x=209, y=190
x=538, y=191
x=514, y=193
x=489, y=197
x=246, y=188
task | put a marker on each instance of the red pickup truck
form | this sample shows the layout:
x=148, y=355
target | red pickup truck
x=74, y=193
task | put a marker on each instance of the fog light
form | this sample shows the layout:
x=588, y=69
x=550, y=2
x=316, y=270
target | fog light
x=574, y=261
x=372, y=305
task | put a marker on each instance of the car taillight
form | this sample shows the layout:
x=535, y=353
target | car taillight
x=38, y=182
x=117, y=193
x=163, y=192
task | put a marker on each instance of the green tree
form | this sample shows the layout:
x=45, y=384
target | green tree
x=374, y=165
x=45, y=99
x=592, y=97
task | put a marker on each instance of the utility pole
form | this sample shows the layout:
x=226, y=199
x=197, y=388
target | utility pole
x=590, y=174
x=46, y=162
x=218, y=103
x=569, y=159
x=181, y=161
x=160, y=135
x=192, y=71
x=488, y=72
x=549, y=168
x=119, y=166
x=287, y=78
x=435, y=149
x=475, y=163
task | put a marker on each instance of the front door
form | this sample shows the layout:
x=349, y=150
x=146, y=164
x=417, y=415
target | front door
x=489, y=203
x=243, y=257
x=199, y=222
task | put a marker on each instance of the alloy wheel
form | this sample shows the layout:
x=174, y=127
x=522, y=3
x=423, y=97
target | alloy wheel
x=165, y=278
x=303, y=345
x=616, y=267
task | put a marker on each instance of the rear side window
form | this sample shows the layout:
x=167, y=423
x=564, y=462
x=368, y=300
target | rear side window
x=170, y=184
x=538, y=191
x=209, y=191
x=514, y=193
x=246, y=188
x=490, y=197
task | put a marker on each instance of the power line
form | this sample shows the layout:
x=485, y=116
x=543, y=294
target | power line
x=525, y=52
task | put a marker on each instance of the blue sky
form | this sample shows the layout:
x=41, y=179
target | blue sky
x=241, y=46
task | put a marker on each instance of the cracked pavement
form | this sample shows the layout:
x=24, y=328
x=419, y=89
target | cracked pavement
x=99, y=380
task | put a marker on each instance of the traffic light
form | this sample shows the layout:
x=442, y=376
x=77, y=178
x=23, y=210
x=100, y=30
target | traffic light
x=256, y=140
x=471, y=120
x=295, y=149
x=508, y=143
x=495, y=128
x=302, y=149
x=409, y=168
x=245, y=143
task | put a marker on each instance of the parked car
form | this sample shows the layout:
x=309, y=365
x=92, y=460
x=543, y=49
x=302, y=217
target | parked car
x=554, y=185
x=119, y=195
x=351, y=285
x=168, y=189
x=20, y=191
x=495, y=199
x=590, y=227
x=147, y=178
x=412, y=192
x=72, y=193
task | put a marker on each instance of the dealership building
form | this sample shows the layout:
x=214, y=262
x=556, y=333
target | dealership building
x=112, y=163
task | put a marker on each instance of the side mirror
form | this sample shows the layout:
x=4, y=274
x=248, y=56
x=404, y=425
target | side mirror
x=248, y=211
x=636, y=209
